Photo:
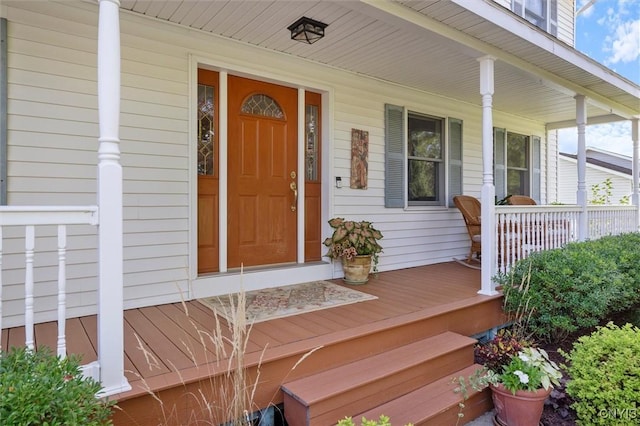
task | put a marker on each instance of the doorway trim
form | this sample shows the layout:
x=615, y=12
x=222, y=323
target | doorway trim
x=226, y=281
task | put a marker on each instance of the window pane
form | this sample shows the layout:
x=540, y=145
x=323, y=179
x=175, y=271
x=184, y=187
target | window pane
x=425, y=137
x=536, y=13
x=536, y=7
x=517, y=151
x=423, y=180
x=517, y=182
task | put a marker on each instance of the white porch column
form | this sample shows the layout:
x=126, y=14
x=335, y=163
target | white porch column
x=487, y=199
x=581, y=123
x=635, y=168
x=110, y=280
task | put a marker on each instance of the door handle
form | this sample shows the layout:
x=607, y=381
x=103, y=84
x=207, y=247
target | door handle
x=294, y=188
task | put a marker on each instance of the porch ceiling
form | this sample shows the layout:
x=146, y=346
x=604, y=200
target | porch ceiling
x=428, y=45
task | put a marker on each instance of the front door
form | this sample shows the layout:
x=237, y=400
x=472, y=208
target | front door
x=262, y=173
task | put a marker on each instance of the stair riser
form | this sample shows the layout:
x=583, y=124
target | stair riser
x=474, y=407
x=466, y=321
x=390, y=387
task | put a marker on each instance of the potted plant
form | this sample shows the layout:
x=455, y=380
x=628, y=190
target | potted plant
x=521, y=378
x=356, y=244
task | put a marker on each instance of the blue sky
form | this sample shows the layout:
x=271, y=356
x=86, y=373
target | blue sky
x=609, y=32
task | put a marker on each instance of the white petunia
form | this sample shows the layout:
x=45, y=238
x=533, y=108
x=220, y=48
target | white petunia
x=524, y=377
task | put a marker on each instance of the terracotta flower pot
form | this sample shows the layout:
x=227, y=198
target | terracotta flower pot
x=522, y=409
x=356, y=270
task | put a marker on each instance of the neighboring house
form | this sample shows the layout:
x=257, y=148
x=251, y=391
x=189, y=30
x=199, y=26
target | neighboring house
x=601, y=165
x=237, y=143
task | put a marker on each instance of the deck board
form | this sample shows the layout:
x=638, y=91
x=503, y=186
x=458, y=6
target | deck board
x=176, y=337
x=46, y=334
x=78, y=341
x=165, y=350
x=142, y=365
x=16, y=337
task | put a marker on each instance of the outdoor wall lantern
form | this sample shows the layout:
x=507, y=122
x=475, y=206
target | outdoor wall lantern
x=307, y=30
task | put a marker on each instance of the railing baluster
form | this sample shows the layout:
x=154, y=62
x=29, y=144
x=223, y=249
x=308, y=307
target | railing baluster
x=522, y=230
x=29, y=245
x=500, y=242
x=62, y=290
x=28, y=217
x=0, y=287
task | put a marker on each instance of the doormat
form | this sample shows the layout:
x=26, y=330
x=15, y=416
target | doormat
x=280, y=302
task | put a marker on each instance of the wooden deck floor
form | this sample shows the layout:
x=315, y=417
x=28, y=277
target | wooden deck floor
x=170, y=345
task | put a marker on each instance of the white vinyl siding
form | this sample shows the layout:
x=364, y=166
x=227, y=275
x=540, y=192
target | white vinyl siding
x=549, y=167
x=53, y=140
x=622, y=184
x=566, y=22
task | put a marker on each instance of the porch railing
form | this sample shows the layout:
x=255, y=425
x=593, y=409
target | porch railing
x=521, y=230
x=611, y=220
x=28, y=219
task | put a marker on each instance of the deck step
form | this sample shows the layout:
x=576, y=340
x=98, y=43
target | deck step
x=435, y=404
x=349, y=389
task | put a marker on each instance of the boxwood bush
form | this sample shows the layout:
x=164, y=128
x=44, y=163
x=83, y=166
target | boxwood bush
x=575, y=287
x=605, y=376
x=38, y=388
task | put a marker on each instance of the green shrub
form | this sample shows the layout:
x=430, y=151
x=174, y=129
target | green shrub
x=38, y=388
x=576, y=287
x=624, y=251
x=382, y=421
x=605, y=376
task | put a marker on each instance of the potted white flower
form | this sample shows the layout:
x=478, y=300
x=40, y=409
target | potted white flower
x=520, y=380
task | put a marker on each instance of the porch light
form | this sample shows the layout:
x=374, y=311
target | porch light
x=307, y=30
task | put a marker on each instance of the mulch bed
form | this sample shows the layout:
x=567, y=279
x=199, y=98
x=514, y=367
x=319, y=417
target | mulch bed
x=557, y=409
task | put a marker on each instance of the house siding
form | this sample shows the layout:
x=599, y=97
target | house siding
x=53, y=135
x=549, y=171
x=566, y=21
x=622, y=184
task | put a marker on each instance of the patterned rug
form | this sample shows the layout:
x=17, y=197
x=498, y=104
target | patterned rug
x=279, y=302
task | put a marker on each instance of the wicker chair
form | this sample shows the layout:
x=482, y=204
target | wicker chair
x=521, y=200
x=470, y=208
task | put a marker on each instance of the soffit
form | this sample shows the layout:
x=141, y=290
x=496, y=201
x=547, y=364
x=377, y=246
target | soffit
x=367, y=40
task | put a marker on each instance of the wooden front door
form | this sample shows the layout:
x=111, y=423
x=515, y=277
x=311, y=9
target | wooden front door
x=262, y=173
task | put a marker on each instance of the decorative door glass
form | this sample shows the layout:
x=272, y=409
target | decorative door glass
x=262, y=105
x=206, y=129
x=311, y=143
